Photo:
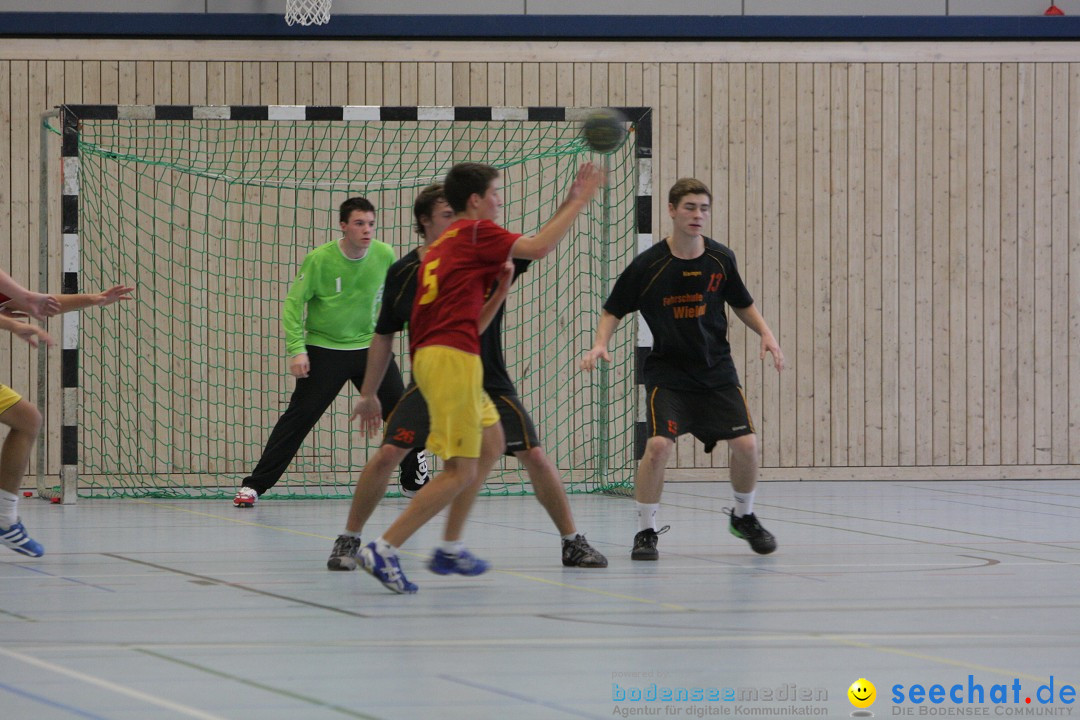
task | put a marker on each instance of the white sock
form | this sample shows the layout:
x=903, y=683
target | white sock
x=9, y=503
x=384, y=548
x=646, y=515
x=571, y=536
x=744, y=503
x=452, y=547
x=350, y=533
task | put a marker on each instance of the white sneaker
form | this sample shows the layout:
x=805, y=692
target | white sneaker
x=245, y=497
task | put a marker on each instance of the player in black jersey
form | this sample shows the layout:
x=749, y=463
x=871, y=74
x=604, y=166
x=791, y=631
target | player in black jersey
x=407, y=424
x=681, y=286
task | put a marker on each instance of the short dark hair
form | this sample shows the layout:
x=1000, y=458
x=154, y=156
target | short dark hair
x=425, y=203
x=684, y=187
x=465, y=179
x=352, y=205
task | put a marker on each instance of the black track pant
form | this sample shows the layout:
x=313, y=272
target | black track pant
x=330, y=370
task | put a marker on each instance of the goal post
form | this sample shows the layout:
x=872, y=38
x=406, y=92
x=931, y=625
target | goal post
x=208, y=211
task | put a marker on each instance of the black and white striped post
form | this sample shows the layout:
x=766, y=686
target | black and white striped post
x=69, y=341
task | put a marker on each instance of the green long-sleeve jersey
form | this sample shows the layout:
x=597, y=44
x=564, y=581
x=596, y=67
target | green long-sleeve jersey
x=341, y=298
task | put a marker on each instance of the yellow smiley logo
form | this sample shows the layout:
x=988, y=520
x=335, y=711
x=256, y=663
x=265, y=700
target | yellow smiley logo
x=862, y=693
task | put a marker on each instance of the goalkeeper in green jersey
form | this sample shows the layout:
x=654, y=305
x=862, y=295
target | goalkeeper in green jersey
x=329, y=319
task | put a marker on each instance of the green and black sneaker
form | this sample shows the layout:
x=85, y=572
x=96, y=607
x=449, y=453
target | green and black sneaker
x=749, y=529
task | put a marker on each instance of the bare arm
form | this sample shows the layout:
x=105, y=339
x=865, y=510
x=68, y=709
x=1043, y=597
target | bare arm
x=604, y=330
x=588, y=179
x=79, y=301
x=753, y=320
x=38, y=305
x=26, y=331
x=368, y=408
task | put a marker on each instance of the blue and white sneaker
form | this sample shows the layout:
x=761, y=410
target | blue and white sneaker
x=464, y=563
x=386, y=570
x=15, y=537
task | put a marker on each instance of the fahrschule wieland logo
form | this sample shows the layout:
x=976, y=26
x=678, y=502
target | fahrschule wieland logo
x=971, y=698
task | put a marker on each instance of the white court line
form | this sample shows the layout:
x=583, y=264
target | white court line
x=107, y=685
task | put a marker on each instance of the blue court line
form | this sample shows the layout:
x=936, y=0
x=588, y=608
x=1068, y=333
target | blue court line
x=523, y=698
x=51, y=703
x=31, y=568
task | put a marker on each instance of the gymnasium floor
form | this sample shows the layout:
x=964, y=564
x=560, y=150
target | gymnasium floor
x=178, y=609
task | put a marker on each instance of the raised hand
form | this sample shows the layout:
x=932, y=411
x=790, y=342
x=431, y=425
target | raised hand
x=114, y=294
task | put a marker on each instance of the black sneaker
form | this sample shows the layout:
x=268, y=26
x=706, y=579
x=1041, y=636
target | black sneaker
x=645, y=544
x=343, y=556
x=579, y=553
x=749, y=529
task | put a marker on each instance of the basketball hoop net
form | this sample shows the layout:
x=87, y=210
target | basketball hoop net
x=307, y=12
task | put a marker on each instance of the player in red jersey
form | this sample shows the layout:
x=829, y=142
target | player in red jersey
x=445, y=343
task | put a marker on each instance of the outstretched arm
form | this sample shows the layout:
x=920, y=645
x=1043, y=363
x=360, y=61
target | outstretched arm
x=753, y=320
x=604, y=330
x=28, y=332
x=38, y=305
x=101, y=299
x=588, y=179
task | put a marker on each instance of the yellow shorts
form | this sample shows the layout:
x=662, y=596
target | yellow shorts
x=452, y=383
x=8, y=397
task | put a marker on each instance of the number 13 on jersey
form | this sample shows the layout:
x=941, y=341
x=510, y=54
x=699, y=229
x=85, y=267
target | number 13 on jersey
x=431, y=283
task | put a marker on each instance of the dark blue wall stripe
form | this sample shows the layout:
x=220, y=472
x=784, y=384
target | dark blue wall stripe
x=457, y=27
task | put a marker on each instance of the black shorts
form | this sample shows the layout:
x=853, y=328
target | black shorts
x=708, y=415
x=408, y=424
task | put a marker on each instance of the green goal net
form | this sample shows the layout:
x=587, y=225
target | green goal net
x=210, y=217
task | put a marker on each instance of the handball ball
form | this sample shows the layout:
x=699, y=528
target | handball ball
x=604, y=130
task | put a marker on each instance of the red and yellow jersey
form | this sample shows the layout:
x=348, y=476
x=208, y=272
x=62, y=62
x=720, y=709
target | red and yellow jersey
x=457, y=272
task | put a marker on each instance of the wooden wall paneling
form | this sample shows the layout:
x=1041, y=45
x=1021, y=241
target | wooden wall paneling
x=785, y=317
x=197, y=83
x=753, y=205
x=974, y=284
x=339, y=83
x=890, y=263
x=822, y=268
x=634, y=88
x=616, y=84
x=357, y=83
x=277, y=83
x=770, y=281
x=73, y=81
x=322, y=85
x=90, y=91
x=924, y=264
x=1042, y=236
x=874, y=384
x=549, y=74
x=1025, y=264
x=1072, y=341
x=110, y=82
x=837, y=267
x=908, y=267
x=513, y=83
x=582, y=96
x=444, y=84
x=391, y=84
x=128, y=82
x=373, y=82
x=954, y=444
x=497, y=84
x=991, y=253
x=215, y=83
x=564, y=84
x=305, y=82
x=179, y=83
x=600, y=94
x=1059, y=310
x=1008, y=203
x=804, y=264
x=858, y=303
x=938, y=317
